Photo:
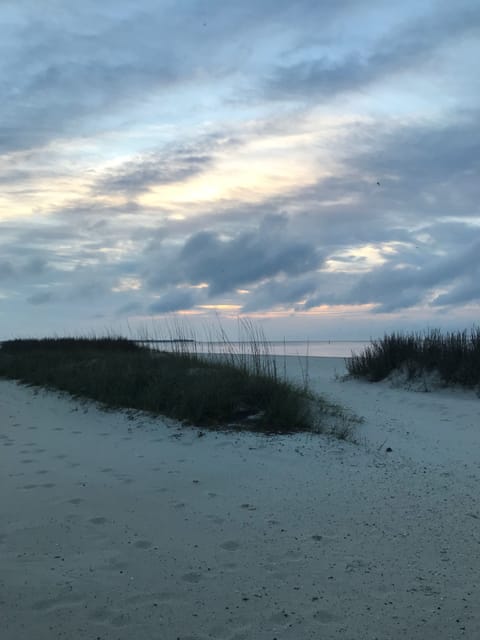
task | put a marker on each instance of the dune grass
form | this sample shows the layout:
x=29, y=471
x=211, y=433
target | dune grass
x=236, y=390
x=454, y=356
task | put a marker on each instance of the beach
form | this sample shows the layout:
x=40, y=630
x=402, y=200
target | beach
x=117, y=525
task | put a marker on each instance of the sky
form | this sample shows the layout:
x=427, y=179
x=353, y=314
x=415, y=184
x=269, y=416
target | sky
x=311, y=165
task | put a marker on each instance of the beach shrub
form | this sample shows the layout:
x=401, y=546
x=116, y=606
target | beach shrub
x=454, y=356
x=237, y=390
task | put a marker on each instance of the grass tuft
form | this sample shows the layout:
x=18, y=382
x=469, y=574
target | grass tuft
x=454, y=356
x=235, y=390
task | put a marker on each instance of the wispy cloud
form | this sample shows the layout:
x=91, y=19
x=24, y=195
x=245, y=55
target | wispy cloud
x=414, y=44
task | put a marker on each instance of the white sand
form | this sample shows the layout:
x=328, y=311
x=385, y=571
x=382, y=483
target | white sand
x=116, y=528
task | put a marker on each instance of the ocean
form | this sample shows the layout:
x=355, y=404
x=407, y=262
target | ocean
x=312, y=348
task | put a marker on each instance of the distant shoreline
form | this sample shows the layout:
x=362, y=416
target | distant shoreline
x=294, y=348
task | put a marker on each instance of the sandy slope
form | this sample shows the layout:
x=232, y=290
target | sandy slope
x=114, y=528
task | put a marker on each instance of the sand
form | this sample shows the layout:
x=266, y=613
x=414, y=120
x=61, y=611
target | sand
x=115, y=526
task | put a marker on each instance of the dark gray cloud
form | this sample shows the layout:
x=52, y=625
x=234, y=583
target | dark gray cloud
x=438, y=156
x=281, y=292
x=413, y=275
x=466, y=292
x=225, y=264
x=23, y=268
x=174, y=300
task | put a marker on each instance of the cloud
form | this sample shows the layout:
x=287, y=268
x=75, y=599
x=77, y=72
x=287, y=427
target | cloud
x=412, y=277
x=428, y=153
x=41, y=298
x=6, y=270
x=175, y=162
x=276, y=250
x=467, y=291
x=98, y=66
x=405, y=47
x=242, y=259
x=280, y=292
x=174, y=300
x=76, y=67
x=138, y=176
x=32, y=268
x=114, y=98
x=35, y=266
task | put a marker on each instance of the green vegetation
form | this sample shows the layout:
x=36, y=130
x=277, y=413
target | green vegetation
x=454, y=356
x=236, y=390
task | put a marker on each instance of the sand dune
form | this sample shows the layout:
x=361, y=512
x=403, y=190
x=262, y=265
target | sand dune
x=117, y=526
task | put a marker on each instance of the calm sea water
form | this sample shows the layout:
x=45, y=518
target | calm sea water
x=314, y=348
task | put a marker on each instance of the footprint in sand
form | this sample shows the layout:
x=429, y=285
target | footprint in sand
x=120, y=620
x=279, y=618
x=230, y=545
x=294, y=555
x=72, y=518
x=323, y=616
x=100, y=614
x=142, y=544
x=192, y=577
x=75, y=500
x=152, y=599
x=273, y=523
x=116, y=565
x=98, y=520
x=323, y=538
x=56, y=603
x=248, y=506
